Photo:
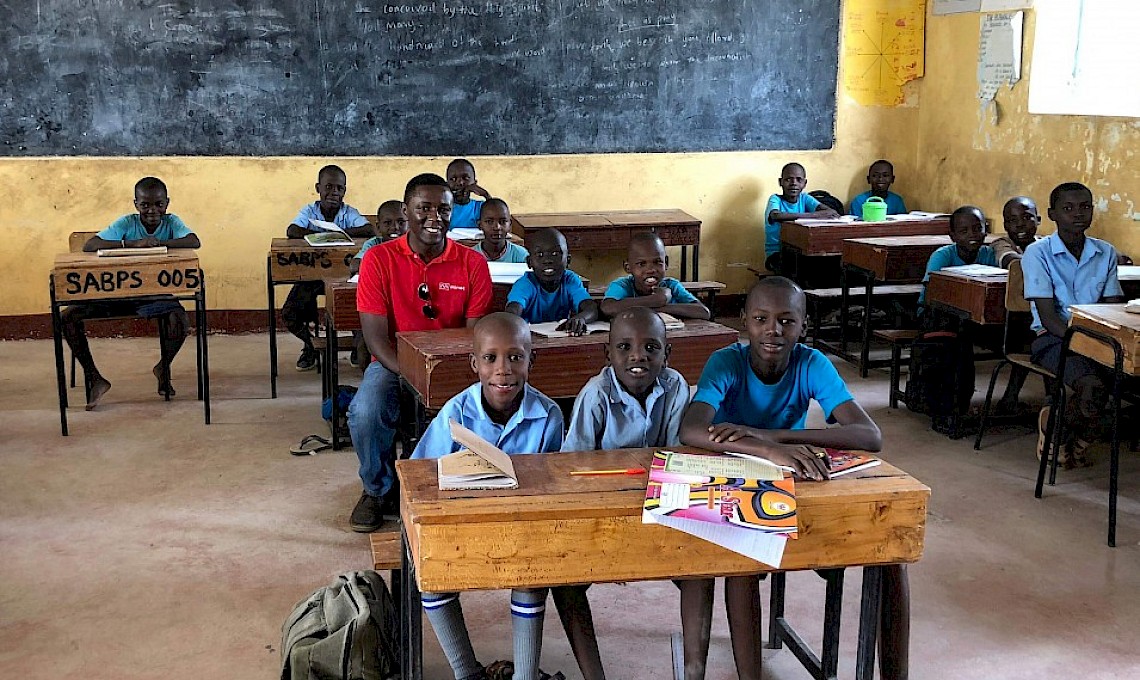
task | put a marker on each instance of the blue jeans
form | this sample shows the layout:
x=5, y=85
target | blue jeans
x=373, y=417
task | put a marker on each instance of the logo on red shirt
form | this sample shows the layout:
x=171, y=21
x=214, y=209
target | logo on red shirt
x=444, y=285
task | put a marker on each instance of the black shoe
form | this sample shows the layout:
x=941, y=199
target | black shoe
x=308, y=360
x=366, y=516
x=390, y=506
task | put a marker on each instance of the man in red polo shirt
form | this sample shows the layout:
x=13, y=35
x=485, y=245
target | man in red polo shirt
x=421, y=281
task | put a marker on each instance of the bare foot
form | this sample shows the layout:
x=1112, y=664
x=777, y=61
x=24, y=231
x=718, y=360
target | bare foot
x=164, y=388
x=99, y=387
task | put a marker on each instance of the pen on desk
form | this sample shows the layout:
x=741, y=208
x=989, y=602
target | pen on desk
x=623, y=471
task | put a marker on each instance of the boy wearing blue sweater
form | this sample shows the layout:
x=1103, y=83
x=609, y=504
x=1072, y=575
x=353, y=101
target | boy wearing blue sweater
x=789, y=205
x=465, y=210
x=647, y=285
x=881, y=175
x=506, y=411
x=968, y=234
x=550, y=291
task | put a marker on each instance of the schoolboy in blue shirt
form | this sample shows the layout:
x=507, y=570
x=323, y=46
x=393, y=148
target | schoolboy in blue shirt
x=647, y=285
x=635, y=402
x=551, y=292
x=150, y=227
x=753, y=398
x=300, y=308
x=391, y=224
x=465, y=210
x=495, y=222
x=968, y=233
x=1063, y=269
x=881, y=175
x=506, y=411
x=789, y=205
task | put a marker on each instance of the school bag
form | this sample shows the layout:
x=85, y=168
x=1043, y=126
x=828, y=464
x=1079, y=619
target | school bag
x=938, y=361
x=346, y=630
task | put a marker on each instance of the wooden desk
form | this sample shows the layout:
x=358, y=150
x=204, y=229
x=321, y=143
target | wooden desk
x=437, y=364
x=293, y=260
x=85, y=277
x=978, y=299
x=811, y=253
x=557, y=530
x=612, y=229
x=1113, y=321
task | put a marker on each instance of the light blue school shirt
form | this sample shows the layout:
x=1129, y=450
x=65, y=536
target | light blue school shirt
x=514, y=253
x=535, y=428
x=370, y=243
x=539, y=305
x=895, y=205
x=623, y=288
x=606, y=416
x=347, y=217
x=1051, y=271
x=729, y=385
x=130, y=227
x=805, y=204
x=466, y=215
x=947, y=256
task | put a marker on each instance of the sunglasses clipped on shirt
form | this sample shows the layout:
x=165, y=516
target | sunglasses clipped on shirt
x=424, y=293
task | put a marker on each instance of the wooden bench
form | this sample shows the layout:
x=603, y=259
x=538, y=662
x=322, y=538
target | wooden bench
x=817, y=297
x=388, y=555
x=897, y=339
x=705, y=291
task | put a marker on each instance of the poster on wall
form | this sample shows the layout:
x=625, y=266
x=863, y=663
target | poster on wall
x=999, y=52
x=956, y=6
x=1005, y=5
x=883, y=43
x=1084, y=57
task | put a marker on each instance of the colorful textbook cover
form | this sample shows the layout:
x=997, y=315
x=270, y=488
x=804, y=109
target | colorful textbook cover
x=748, y=506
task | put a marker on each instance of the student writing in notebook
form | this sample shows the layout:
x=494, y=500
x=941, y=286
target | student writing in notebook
x=550, y=291
x=648, y=286
x=503, y=409
x=150, y=226
x=753, y=398
x=636, y=401
x=300, y=308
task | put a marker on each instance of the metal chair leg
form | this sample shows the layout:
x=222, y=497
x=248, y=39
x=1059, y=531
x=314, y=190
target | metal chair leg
x=986, y=405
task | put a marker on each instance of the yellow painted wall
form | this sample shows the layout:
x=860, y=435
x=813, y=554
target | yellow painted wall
x=965, y=155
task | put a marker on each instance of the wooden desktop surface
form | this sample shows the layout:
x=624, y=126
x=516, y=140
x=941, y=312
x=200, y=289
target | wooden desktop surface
x=611, y=229
x=293, y=259
x=557, y=529
x=86, y=276
x=894, y=259
x=982, y=299
x=437, y=364
x=1112, y=320
x=827, y=239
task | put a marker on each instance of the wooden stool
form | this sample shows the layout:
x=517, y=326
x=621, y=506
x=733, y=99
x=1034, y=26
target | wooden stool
x=897, y=339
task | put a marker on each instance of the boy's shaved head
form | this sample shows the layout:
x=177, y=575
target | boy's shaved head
x=640, y=318
x=1026, y=201
x=1064, y=187
x=546, y=237
x=647, y=238
x=771, y=284
x=793, y=165
x=502, y=324
x=967, y=211
x=150, y=184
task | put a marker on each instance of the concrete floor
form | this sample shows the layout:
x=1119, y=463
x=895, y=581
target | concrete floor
x=148, y=545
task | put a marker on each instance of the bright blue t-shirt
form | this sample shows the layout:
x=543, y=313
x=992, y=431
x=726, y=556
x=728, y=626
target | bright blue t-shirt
x=895, y=205
x=514, y=253
x=535, y=428
x=130, y=227
x=729, y=385
x=370, y=243
x=347, y=217
x=623, y=288
x=539, y=305
x=466, y=215
x=947, y=256
x=805, y=204
x=1051, y=271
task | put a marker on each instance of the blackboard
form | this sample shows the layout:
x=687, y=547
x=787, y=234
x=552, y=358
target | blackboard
x=415, y=77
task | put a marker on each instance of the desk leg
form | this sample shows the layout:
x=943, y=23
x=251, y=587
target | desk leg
x=411, y=633
x=696, y=257
x=205, y=339
x=332, y=378
x=865, y=350
x=57, y=340
x=869, y=611
x=271, y=305
x=684, y=262
x=832, y=616
x=844, y=315
x=162, y=358
x=776, y=610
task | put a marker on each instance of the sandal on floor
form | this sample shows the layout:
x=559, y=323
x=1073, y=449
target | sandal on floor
x=500, y=670
x=547, y=676
x=311, y=446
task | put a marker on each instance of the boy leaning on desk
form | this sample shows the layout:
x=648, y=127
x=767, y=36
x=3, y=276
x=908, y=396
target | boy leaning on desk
x=150, y=227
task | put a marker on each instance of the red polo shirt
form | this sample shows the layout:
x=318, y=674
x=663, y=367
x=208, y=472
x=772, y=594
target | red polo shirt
x=459, y=285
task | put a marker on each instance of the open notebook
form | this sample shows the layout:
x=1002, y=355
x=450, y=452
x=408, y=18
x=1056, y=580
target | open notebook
x=481, y=465
x=550, y=329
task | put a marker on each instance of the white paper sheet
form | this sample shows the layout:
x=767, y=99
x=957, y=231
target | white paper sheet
x=507, y=272
x=999, y=52
x=465, y=234
x=1005, y=5
x=956, y=6
x=760, y=546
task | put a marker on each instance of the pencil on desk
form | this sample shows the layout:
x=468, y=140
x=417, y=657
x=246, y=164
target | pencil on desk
x=623, y=471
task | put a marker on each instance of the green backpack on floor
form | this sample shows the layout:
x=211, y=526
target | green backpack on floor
x=343, y=631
